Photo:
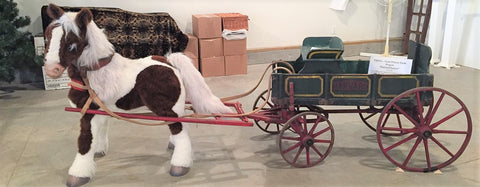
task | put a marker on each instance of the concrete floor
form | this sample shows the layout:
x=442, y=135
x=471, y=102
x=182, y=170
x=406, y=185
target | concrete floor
x=38, y=144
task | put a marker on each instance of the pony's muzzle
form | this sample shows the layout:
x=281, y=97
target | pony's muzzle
x=54, y=70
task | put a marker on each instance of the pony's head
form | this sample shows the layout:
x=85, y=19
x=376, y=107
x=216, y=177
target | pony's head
x=73, y=39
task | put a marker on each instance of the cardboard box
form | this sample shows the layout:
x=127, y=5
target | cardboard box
x=234, y=21
x=213, y=66
x=192, y=46
x=193, y=57
x=234, y=47
x=211, y=47
x=207, y=25
x=236, y=64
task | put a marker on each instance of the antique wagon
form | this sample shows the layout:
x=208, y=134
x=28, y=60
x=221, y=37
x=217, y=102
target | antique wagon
x=418, y=127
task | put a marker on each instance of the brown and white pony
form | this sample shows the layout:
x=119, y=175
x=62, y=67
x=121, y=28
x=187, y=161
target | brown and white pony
x=158, y=84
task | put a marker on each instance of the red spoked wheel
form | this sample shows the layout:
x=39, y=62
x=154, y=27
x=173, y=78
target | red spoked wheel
x=306, y=139
x=436, y=128
x=269, y=127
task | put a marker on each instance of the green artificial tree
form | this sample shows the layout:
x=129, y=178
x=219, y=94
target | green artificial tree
x=16, y=47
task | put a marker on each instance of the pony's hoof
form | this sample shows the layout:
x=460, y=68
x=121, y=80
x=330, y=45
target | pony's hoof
x=178, y=171
x=170, y=146
x=99, y=154
x=73, y=181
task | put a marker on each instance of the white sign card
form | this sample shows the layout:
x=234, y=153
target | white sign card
x=389, y=65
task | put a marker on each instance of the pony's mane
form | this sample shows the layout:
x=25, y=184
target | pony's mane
x=98, y=45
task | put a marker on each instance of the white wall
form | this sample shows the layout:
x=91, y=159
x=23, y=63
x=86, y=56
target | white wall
x=456, y=42
x=273, y=23
x=469, y=38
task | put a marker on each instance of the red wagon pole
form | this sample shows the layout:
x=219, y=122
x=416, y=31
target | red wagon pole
x=218, y=121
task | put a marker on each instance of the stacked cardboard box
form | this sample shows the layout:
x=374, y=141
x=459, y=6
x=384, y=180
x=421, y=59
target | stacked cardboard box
x=217, y=55
x=208, y=29
x=235, y=51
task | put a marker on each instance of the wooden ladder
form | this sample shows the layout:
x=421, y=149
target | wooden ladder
x=418, y=18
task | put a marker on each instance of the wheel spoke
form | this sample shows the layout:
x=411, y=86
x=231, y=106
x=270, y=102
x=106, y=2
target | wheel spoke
x=386, y=119
x=449, y=131
x=297, y=127
x=322, y=141
x=419, y=108
x=400, y=142
x=268, y=102
x=266, y=126
x=298, y=154
x=307, y=155
x=293, y=147
x=432, y=114
x=369, y=116
x=427, y=154
x=317, y=151
x=399, y=121
x=305, y=129
x=442, y=146
x=406, y=115
x=321, y=132
x=435, y=125
x=313, y=128
x=414, y=148
x=399, y=129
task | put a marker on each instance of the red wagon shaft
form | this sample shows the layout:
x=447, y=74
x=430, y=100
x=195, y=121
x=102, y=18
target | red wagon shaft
x=243, y=121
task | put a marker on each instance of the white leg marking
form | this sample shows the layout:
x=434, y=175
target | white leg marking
x=182, y=154
x=84, y=165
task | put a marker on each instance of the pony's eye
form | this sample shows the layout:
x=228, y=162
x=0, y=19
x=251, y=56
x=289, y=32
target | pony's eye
x=72, y=47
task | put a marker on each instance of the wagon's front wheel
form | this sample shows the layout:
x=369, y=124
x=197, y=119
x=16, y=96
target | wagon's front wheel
x=306, y=139
x=436, y=128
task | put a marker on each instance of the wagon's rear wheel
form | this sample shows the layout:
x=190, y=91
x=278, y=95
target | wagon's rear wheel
x=269, y=127
x=370, y=115
x=306, y=139
x=434, y=134
x=275, y=128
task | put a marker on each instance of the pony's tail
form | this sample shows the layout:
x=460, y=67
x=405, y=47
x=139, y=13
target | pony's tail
x=198, y=92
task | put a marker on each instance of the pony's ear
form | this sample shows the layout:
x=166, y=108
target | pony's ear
x=84, y=17
x=54, y=11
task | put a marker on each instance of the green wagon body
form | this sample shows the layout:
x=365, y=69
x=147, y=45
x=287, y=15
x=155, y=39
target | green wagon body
x=323, y=78
x=344, y=89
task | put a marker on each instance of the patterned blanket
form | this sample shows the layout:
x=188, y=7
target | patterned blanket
x=134, y=35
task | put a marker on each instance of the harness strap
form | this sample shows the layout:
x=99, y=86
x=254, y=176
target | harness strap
x=77, y=85
x=102, y=62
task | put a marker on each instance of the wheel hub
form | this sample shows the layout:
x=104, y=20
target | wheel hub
x=308, y=141
x=427, y=134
